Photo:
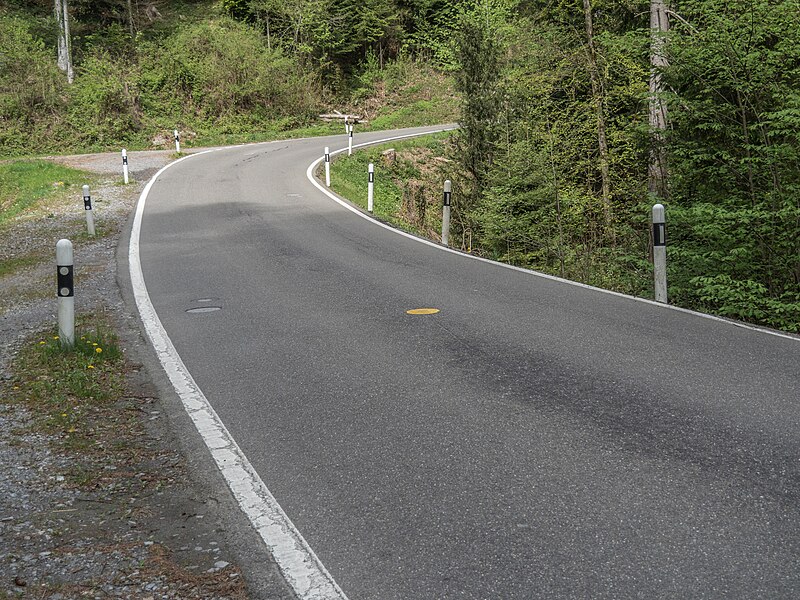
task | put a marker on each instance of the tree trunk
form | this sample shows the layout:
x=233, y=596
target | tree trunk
x=130, y=18
x=64, y=46
x=62, y=40
x=657, y=176
x=599, y=107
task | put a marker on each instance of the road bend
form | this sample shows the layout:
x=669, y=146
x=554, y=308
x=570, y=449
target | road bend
x=532, y=439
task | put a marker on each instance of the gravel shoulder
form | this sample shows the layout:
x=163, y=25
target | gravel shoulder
x=156, y=521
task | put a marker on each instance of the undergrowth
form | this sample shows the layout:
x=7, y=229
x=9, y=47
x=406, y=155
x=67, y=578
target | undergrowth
x=70, y=392
x=407, y=192
x=215, y=79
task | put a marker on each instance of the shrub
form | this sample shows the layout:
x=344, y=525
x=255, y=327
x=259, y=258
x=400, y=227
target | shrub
x=104, y=103
x=223, y=70
x=31, y=87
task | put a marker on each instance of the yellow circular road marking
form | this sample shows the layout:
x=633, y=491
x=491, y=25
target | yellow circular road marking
x=422, y=311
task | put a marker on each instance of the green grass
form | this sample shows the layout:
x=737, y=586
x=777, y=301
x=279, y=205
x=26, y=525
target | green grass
x=421, y=112
x=65, y=387
x=24, y=183
x=12, y=265
x=349, y=180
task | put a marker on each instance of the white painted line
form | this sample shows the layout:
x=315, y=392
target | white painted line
x=299, y=564
x=363, y=215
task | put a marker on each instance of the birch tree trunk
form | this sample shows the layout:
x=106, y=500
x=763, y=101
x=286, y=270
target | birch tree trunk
x=64, y=45
x=657, y=176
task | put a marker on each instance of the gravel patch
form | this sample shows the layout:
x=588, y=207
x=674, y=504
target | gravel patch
x=143, y=528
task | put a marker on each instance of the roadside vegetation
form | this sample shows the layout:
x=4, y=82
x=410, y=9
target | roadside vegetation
x=575, y=117
x=31, y=193
x=576, y=120
x=71, y=391
x=408, y=180
x=194, y=67
x=24, y=183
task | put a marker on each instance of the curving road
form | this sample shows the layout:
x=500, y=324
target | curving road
x=534, y=439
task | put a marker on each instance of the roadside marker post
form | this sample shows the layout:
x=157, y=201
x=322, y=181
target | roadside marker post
x=350, y=140
x=327, y=166
x=370, y=187
x=65, y=293
x=660, y=253
x=125, y=165
x=448, y=192
x=177, y=141
x=87, y=208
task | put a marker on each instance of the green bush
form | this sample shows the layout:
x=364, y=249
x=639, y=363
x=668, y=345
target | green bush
x=31, y=88
x=104, y=105
x=222, y=70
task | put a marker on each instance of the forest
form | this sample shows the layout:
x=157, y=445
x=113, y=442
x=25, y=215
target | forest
x=576, y=116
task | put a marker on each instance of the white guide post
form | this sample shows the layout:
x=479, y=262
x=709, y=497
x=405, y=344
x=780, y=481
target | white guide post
x=448, y=192
x=371, y=187
x=66, y=293
x=660, y=253
x=125, y=165
x=350, y=140
x=87, y=208
x=327, y=166
x=177, y=141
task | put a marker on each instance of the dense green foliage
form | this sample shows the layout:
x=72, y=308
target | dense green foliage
x=212, y=75
x=31, y=86
x=194, y=66
x=335, y=36
x=563, y=142
x=735, y=155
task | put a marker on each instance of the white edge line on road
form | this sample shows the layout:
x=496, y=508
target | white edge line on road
x=301, y=567
x=364, y=215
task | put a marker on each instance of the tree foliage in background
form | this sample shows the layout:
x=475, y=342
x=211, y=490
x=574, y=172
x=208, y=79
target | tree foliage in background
x=565, y=188
x=214, y=74
x=557, y=199
x=31, y=86
x=221, y=71
x=332, y=36
x=735, y=156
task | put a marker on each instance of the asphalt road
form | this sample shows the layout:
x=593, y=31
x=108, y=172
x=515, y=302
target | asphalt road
x=534, y=439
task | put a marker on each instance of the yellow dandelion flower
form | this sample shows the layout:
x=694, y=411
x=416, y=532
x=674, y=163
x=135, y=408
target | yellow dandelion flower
x=42, y=343
x=55, y=337
x=90, y=366
x=63, y=414
x=94, y=343
x=98, y=350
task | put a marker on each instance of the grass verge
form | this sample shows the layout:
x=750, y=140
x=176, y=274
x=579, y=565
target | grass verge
x=408, y=182
x=25, y=183
x=40, y=202
x=70, y=392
